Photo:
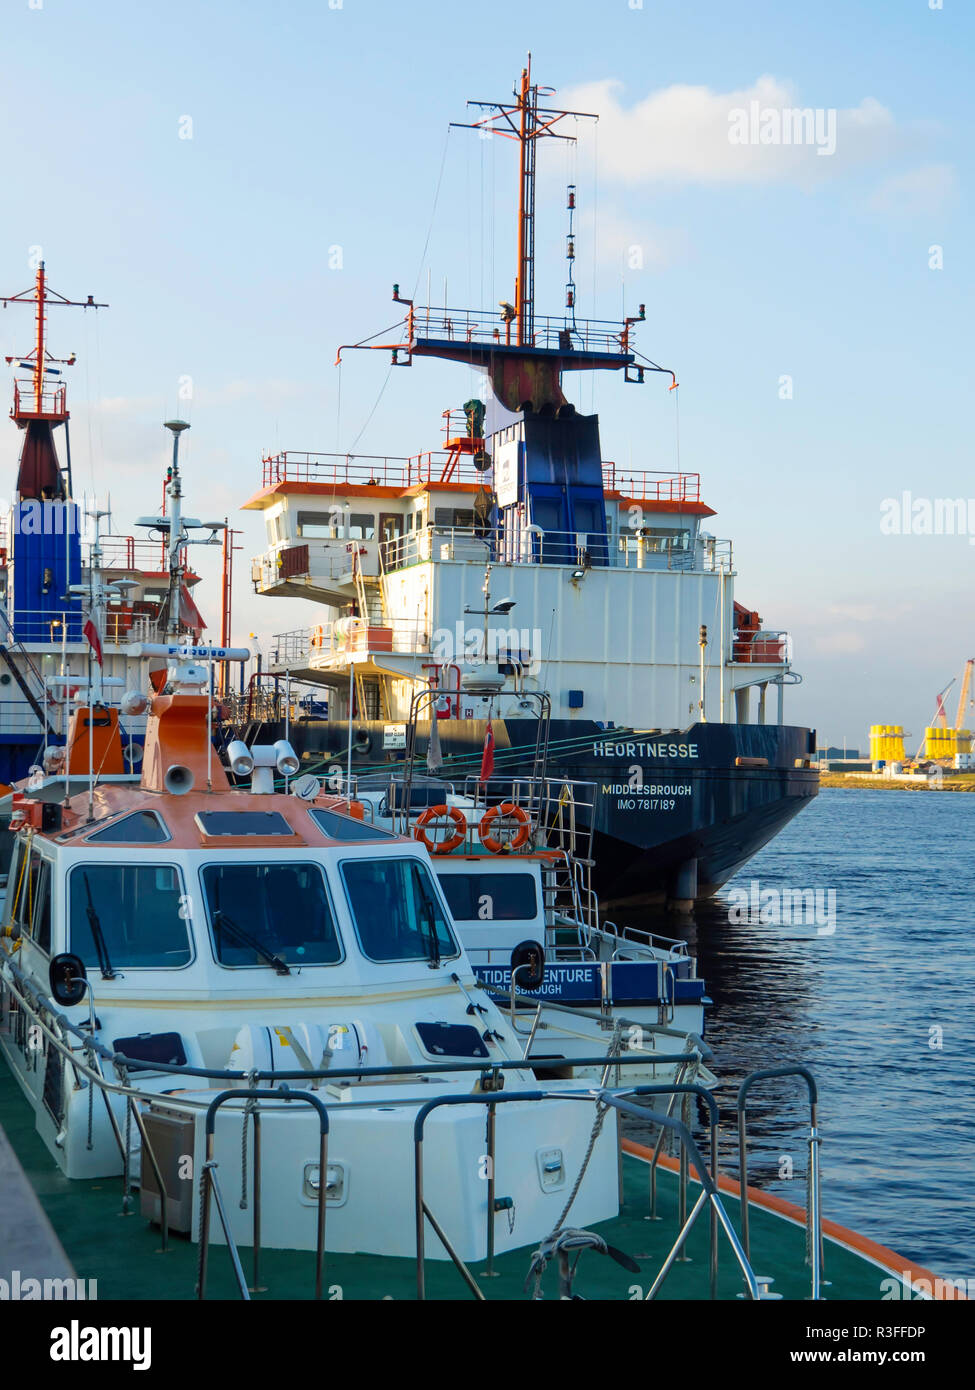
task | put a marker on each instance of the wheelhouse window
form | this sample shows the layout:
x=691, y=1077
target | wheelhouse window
x=29, y=892
x=271, y=915
x=129, y=915
x=490, y=897
x=142, y=828
x=460, y=517
x=339, y=827
x=326, y=526
x=397, y=910
x=317, y=526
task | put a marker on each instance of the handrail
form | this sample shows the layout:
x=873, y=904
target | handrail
x=337, y=1073
x=208, y=1181
x=620, y=1098
x=814, y=1225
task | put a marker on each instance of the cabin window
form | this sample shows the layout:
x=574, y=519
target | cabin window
x=260, y=911
x=397, y=910
x=142, y=828
x=329, y=526
x=340, y=827
x=461, y=517
x=362, y=526
x=318, y=526
x=29, y=890
x=490, y=897
x=134, y=915
x=41, y=928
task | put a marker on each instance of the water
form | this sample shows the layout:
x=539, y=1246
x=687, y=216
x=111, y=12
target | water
x=881, y=1010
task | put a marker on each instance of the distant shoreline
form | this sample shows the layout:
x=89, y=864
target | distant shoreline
x=860, y=781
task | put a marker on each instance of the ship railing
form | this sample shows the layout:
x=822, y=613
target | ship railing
x=443, y=465
x=651, y=484
x=121, y=625
x=369, y=470
x=136, y=554
x=338, y=638
x=53, y=400
x=290, y=648
x=40, y=1026
x=650, y=549
x=761, y=647
x=18, y=717
x=327, y=559
x=529, y=545
x=630, y=938
x=557, y=333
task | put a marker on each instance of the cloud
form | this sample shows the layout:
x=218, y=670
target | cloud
x=681, y=134
x=842, y=643
x=632, y=245
x=924, y=190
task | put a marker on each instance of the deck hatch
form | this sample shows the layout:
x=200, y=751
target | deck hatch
x=451, y=1040
x=236, y=824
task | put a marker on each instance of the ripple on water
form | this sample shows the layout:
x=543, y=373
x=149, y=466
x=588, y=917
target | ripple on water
x=880, y=1010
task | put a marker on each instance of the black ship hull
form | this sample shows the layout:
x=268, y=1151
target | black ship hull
x=675, y=814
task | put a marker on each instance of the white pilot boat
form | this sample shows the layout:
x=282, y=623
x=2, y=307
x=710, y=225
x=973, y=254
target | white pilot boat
x=513, y=859
x=206, y=942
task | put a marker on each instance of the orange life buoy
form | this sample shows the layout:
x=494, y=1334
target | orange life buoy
x=509, y=811
x=318, y=637
x=434, y=813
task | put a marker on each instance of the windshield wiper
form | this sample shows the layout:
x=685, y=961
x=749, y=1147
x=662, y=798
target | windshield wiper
x=98, y=936
x=427, y=916
x=220, y=919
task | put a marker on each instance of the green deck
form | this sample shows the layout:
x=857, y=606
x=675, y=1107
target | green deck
x=122, y=1252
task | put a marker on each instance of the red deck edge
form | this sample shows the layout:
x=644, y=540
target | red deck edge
x=879, y=1254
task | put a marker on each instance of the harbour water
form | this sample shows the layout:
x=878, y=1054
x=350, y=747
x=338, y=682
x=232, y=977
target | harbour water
x=880, y=1009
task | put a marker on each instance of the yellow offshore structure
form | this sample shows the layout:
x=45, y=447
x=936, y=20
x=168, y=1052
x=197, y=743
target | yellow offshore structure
x=945, y=743
x=887, y=743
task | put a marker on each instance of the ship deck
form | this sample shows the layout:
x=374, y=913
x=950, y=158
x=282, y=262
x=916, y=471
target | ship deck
x=122, y=1253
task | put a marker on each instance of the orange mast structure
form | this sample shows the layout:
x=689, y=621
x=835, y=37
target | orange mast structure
x=38, y=408
x=526, y=122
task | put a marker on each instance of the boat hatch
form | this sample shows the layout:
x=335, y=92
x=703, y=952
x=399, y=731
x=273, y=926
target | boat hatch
x=451, y=1040
x=153, y=1047
x=235, y=824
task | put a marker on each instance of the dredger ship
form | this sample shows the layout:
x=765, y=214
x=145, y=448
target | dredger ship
x=516, y=560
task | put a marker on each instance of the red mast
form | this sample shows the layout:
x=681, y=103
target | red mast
x=40, y=399
x=526, y=122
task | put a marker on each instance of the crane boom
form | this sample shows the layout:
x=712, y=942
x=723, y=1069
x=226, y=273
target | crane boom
x=966, y=685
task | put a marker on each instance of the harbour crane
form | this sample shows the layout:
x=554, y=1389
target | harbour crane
x=966, y=685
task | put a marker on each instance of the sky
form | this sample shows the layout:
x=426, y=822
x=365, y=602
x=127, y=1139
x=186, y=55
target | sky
x=243, y=183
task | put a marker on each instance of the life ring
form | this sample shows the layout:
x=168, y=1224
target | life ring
x=318, y=637
x=509, y=811
x=433, y=813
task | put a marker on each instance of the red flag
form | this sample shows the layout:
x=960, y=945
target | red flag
x=189, y=614
x=94, y=641
x=487, y=757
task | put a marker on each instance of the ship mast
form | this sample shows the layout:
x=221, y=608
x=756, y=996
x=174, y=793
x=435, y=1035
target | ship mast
x=37, y=408
x=526, y=122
